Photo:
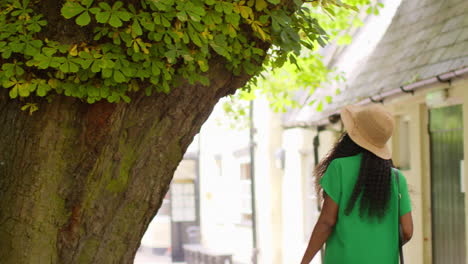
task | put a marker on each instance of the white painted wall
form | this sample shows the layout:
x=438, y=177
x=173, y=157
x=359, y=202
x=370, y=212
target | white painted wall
x=219, y=194
x=268, y=183
x=219, y=190
x=298, y=145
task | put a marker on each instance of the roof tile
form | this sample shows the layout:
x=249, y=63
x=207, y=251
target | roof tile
x=459, y=63
x=456, y=51
x=445, y=39
x=463, y=35
x=453, y=23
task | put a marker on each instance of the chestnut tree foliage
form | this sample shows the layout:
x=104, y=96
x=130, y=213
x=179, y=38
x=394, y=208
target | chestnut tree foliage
x=123, y=47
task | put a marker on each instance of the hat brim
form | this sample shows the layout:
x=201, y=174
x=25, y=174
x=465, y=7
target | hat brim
x=347, y=116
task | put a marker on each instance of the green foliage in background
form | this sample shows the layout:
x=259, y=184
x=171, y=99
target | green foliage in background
x=147, y=45
x=285, y=87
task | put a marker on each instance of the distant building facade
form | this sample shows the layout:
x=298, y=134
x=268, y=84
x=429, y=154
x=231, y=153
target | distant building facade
x=419, y=71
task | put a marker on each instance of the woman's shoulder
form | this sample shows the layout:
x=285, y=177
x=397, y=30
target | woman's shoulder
x=401, y=176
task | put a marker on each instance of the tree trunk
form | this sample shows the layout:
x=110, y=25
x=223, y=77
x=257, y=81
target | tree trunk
x=80, y=183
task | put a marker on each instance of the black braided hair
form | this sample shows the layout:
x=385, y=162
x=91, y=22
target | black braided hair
x=373, y=181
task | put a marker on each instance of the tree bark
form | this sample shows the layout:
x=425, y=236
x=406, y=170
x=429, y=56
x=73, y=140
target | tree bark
x=80, y=183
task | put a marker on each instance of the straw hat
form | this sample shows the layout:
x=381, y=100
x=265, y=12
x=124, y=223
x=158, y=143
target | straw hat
x=370, y=127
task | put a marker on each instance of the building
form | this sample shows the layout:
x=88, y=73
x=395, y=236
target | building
x=419, y=71
x=227, y=175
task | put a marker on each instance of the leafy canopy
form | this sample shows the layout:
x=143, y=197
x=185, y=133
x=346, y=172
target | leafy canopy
x=285, y=86
x=128, y=46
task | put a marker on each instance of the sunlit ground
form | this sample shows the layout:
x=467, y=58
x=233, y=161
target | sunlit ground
x=148, y=257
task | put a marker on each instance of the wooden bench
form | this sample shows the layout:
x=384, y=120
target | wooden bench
x=197, y=254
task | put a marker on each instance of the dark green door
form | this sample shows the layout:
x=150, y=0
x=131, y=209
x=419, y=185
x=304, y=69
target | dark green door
x=448, y=198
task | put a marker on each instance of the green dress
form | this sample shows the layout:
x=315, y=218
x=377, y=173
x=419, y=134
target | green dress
x=357, y=240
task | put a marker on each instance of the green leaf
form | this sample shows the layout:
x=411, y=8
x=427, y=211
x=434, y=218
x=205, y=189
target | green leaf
x=118, y=76
x=23, y=90
x=74, y=67
x=125, y=98
x=6, y=53
x=125, y=16
x=95, y=10
x=227, y=7
x=95, y=67
x=233, y=19
x=260, y=5
x=117, y=5
x=32, y=47
x=104, y=91
x=182, y=16
x=42, y=89
x=275, y=2
x=105, y=6
x=106, y=73
x=155, y=70
x=71, y=9
x=171, y=56
x=102, y=17
x=19, y=71
x=49, y=51
x=203, y=65
x=65, y=67
x=219, y=45
x=115, y=21
x=137, y=28
x=87, y=3
x=320, y=106
x=9, y=69
x=14, y=92
x=147, y=23
x=194, y=36
x=83, y=19
x=129, y=71
x=32, y=86
x=85, y=63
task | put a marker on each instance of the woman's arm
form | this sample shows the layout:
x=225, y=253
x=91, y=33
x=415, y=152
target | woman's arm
x=322, y=230
x=406, y=221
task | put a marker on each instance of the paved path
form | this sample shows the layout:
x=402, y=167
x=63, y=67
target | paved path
x=147, y=257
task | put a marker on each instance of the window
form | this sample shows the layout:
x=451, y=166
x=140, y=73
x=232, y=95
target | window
x=183, y=196
x=245, y=194
x=183, y=202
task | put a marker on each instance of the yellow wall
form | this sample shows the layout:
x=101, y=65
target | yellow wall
x=419, y=250
x=414, y=249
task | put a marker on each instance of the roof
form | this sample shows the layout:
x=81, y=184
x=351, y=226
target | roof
x=426, y=38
